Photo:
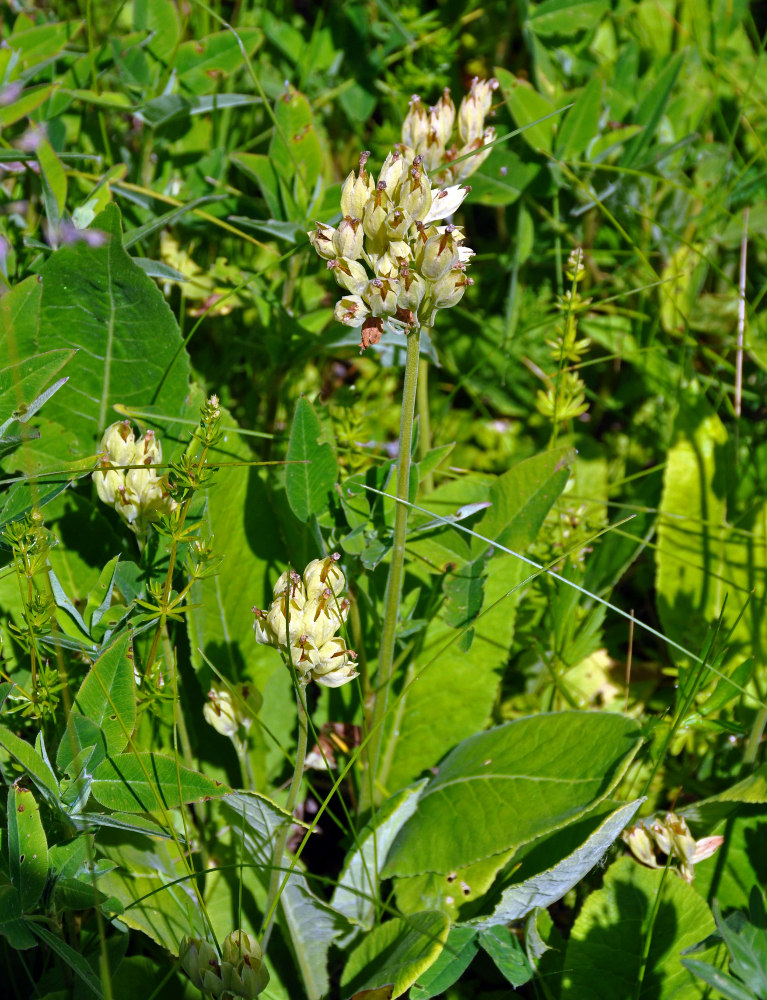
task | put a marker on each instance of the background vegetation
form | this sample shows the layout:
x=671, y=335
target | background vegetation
x=160, y=165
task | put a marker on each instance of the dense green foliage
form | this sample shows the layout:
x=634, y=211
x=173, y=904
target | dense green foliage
x=513, y=735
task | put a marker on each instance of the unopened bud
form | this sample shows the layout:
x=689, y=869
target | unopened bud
x=348, y=238
x=439, y=254
x=416, y=124
x=381, y=295
x=391, y=172
x=450, y=288
x=349, y=274
x=415, y=192
x=356, y=190
x=321, y=239
x=351, y=310
x=474, y=108
x=412, y=288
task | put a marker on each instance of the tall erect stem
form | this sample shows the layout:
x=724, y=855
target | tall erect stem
x=396, y=568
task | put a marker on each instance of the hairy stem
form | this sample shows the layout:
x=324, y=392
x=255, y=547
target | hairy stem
x=396, y=570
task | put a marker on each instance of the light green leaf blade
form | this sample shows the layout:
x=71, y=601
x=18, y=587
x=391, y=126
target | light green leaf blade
x=539, y=882
x=311, y=925
x=355, y=891
x=579, y=125
x=96, y=299
x=145, y=782
x=312, y=467
x=508, y=954
x=32, y=762
x=651, y=108
x=295, y=149
x=565, y=17
x=460, y=948
x=496, y=791
x=610, y=935
x=27, y=846
x=522, y=497
x=397, y=952
x=527, y=106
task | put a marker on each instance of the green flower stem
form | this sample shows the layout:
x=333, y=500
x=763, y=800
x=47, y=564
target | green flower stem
x=396, y=570
x=424, y=424
x=275, y=886
x=755, y=738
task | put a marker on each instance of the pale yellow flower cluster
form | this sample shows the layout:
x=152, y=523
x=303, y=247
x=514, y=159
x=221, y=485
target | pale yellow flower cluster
x=398, y=266
x=240, y=973
x=302, y=621
x=139, y=494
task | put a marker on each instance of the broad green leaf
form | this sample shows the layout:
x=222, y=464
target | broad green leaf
x=542, y=874
x=565, y=17
x=725, y=985
x=145, y=782
x=54, y=181
x=690, y=524
x=506, y=787
x=96, y=299
x=41, y=42
x=12, y=923
x=397, y=952
x=142, y=883
x=579, y=125
x=107, y=699
x=522, y=497
x=355, y=891
x=27, y=846
x=464, y=594
x=610, y=935
x=651, y=108
x=32, y=762
x=508, y=954
x=739, y=863
x=200, y=63
x=25, y=104
x=295, y=149
x=161, y=22
x=527, y=106
x=746, y=941
x=460, y=948
x=312, y=468
x=455, y=691
x=239, y=516
x=312, y=925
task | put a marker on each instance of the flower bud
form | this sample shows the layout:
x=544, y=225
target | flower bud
x=108, y=483
x=415, y=192
x=412, y=289
x=219, y=712
x=336, y=664
x=397, y=224
x=356, y=190
x=290, y=582
x=374, y=218
x=349, y=274
x=640, y=845
x=387, y=265
x=391, y=172
x=322, y=240
x=416, y=124
x=280, y=610
x=480, y=149
x=348, y=238
x=351, y=310
x=442, y=117
x=264, y=634
x=474, y=107
x=682, y=841
x=119, y=443
x=323, y=573
x=200, y=962
x=381, y=295
x=439, y=254
x=450, y=288
x=243, y=972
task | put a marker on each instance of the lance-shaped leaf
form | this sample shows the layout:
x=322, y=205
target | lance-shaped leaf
x=27, y=846
x=143, y=782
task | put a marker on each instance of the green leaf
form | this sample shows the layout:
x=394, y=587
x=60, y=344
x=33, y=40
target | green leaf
x=499, y=790
x=651, y=108
x=691, y=517
x=508, y=954
x=32, y=762
x=12, y=924
x=610, y=935
x=130, y=348
x=527, y=106
x=544, y=872
x=522, y=497
x=355, y=891
x=747, y=944
x=107, y=700
x=203, y=61
x=27, y=846
x=25, y=104
x=460, y=948
x=565, y=17
x=295, y=149
x=69, y=956
x=312, y=925
x=312, y=467
x=262, y=170
x=464, y=593
x=54, y=182
x=397, y=952
x=144, y=782
x=579, y=125
x=725, y=985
